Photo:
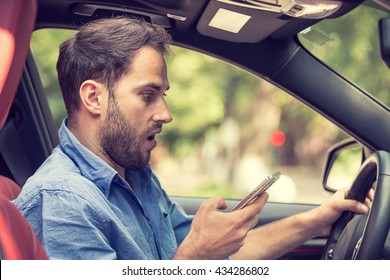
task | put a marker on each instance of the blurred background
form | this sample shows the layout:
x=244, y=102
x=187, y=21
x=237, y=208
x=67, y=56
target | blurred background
x=231, y=129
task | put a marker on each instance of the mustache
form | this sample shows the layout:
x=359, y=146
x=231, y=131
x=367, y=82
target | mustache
x=153, y=128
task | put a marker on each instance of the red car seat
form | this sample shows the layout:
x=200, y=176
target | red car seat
x=9, y=188
x=17, y=238
x=17, y=20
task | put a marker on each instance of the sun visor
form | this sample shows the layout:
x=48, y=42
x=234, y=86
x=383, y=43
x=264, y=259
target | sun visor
x=250, y=21
x=238, y=24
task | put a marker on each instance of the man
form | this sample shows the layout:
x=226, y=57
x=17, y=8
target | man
x=96, y=197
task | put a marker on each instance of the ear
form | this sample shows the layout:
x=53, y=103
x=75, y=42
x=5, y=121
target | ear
x=92, y=96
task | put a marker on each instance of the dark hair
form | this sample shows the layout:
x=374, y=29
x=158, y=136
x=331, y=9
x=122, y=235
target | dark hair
x=102, y=50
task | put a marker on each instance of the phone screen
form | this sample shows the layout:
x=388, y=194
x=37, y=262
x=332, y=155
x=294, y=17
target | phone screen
x=262, y=187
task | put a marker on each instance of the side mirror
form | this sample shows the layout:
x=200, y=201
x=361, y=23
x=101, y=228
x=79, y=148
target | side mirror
x=342, y=162
x=384, y=40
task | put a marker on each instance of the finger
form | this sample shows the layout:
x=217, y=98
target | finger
x=368, y=203
x=260, y=201
x=246, y=219
x=254, y=208
x=354, y=206
x=370, y=194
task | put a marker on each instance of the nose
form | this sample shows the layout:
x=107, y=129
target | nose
x=163, y=114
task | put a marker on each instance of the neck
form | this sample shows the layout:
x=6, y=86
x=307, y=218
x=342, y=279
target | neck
x=83, y=134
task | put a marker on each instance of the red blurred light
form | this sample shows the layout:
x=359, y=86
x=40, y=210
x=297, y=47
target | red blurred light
x=277, y=138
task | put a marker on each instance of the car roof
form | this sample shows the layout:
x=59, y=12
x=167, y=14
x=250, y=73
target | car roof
x=190, y=23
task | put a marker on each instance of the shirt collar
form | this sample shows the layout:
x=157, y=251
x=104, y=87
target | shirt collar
x=90, y=165
x=140, y=181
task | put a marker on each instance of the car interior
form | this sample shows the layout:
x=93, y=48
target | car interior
x=258, y=36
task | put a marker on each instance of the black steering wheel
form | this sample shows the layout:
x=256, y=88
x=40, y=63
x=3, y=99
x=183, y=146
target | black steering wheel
x=362, y=237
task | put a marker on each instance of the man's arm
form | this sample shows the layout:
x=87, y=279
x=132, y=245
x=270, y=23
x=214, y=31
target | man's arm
x=278, y=238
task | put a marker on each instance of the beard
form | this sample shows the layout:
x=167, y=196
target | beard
x=121, y=141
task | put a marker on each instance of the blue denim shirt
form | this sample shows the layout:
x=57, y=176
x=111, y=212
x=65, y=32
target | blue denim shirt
x=80, y=208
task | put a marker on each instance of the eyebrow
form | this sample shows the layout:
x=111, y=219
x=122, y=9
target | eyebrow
x=154, y=86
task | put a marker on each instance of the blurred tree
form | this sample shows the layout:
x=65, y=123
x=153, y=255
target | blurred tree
x=353, y=50
x=45, y=47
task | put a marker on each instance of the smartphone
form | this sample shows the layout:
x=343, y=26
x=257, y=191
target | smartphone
x=262, y=187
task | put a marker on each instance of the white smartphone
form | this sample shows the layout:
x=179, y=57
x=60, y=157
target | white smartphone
x=262, y=187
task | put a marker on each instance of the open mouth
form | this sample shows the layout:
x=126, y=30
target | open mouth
x=152, y=137
x=151, y=141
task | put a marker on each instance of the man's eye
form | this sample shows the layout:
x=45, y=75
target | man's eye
x=147, y=96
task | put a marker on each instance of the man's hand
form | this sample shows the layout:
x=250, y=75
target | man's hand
x=276, y=239
x=217, y=235
x=332, y=209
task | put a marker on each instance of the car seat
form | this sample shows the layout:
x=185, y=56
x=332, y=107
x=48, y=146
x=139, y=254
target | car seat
x=17, y=20
x=9, y=188
x=17, y=238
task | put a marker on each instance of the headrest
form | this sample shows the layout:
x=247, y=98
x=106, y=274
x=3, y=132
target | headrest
x=8, y=188
x=17, y=21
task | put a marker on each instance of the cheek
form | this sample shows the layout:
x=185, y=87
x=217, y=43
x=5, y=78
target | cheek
x=137, y=115
x=135, y=122
x=140, y=117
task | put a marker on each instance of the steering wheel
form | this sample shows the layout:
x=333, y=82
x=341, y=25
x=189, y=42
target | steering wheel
x=362, y=237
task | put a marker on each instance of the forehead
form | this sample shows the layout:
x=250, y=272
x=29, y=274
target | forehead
x=148, y=67
x=148, y=70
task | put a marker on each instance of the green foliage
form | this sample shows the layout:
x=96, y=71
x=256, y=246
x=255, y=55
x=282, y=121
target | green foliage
x=354, y=50
x=199, y=99
x=45, y=47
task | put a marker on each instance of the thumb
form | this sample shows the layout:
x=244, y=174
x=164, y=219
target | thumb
x=218, y=202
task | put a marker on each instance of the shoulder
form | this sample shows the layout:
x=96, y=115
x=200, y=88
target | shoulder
x=57, y=178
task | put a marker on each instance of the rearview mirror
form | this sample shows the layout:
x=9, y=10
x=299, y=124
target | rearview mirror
x=341, y=165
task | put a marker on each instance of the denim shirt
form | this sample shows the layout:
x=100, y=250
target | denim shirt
x=80, y=208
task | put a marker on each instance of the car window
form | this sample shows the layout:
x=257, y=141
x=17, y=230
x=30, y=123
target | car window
x=350, y=45
x=230, y=129
x=45, y=48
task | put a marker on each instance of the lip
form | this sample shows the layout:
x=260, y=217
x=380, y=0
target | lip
x=151, y=139
x=152, y=144
x=153, y=135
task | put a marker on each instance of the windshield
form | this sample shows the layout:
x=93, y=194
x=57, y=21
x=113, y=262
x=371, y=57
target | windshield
x=350, y=45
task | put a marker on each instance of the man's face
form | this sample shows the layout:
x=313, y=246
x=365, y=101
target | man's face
x=136, y=111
